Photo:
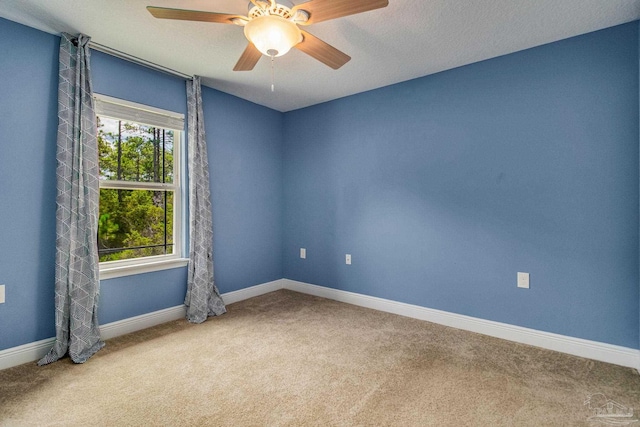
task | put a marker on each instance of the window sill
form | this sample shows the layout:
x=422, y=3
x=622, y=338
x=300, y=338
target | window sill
x=111, y=272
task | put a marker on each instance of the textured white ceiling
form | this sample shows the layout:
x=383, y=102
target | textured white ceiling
x=408, y=39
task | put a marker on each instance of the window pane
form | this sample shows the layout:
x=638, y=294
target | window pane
x=134, y=152
x=134, y=223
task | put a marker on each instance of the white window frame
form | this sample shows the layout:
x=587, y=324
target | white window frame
x=120, y=109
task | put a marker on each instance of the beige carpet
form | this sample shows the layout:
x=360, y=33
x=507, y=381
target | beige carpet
x=288, y=359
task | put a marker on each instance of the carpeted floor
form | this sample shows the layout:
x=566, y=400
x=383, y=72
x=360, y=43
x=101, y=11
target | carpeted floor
x=288, y=359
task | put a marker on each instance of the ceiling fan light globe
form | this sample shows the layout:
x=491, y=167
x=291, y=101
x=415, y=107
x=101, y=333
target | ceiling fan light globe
x=272, y=33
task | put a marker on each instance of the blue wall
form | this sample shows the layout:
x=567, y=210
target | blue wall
x=28, y=122
x=245, y=160
x=442, y=188
x=246, y=172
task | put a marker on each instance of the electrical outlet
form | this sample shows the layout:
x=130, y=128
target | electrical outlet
x=1, y=294
x=523, y=280
x=347, y=259
x=303, y=253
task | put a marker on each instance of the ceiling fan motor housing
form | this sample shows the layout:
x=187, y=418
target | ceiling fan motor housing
x=277, y=9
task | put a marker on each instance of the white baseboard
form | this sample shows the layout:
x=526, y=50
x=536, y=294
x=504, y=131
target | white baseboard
x=253, y=291
x=144, y=321
x=26, y=353
x=609, y=353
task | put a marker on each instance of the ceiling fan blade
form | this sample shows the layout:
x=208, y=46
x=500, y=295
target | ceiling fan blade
x=323, y=10
x=322, y=51
x=248, y=59
x=192, y=15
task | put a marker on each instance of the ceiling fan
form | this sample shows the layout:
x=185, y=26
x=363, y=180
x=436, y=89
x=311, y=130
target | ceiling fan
x=272, y=28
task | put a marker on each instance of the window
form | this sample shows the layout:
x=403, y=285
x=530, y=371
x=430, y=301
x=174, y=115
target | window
x=140, y=220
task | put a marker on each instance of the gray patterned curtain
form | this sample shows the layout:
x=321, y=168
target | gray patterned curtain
x=202, y=299
x=77, y=274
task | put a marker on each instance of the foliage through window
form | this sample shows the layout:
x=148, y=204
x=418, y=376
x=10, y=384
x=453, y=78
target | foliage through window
x=139, y=192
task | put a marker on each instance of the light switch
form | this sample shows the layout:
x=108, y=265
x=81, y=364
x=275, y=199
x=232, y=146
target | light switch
x=347, y=259
x=303, y=253
x=1, y=294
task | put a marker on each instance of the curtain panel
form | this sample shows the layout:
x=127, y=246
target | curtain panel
x=202, y=299
x=77, y=206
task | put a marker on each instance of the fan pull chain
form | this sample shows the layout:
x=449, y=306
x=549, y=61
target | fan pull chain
x=272, y=53
x=273, y=87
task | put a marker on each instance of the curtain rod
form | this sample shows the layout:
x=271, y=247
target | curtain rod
x=136, y=60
